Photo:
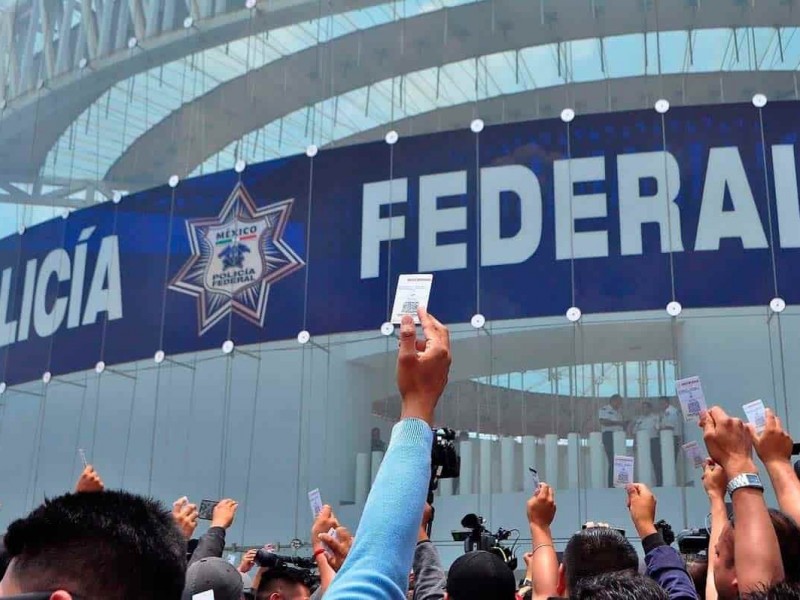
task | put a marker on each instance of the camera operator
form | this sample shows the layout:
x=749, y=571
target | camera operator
x=429, y=575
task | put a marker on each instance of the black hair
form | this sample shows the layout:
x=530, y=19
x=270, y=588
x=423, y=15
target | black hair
x=697, y=567
x=618, y=586
x=271, y=579
x=779, y=591
x=789, y=541
x=99, y=546
x=595, y=551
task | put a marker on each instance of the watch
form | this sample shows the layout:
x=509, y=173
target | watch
x=745, y=480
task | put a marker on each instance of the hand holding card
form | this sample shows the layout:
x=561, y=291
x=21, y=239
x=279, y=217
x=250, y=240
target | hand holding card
x=413, y=292
x=623, y=470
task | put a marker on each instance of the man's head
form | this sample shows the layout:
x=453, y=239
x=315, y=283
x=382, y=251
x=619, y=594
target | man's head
x=779, y=591
x=665, y=402
x=98, y=546
x=215, y=574
x=616, y=401
x=647, y=408
x=376, y=433
x=282, y=584
x=788, y=539
x=480, y=576
x=618, y=586
x=592, y=552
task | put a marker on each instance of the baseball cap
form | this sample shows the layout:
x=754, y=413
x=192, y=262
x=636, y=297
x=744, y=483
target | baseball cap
x=215, y=574
x=480, y=575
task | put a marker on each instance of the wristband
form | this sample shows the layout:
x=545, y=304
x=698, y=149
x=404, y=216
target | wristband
x=319, y=551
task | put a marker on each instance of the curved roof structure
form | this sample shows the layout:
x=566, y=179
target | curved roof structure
x=104, y=96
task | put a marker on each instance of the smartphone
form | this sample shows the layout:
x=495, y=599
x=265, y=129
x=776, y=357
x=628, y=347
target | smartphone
x=206, y=511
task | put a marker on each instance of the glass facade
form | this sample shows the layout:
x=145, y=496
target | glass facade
x=102, y=100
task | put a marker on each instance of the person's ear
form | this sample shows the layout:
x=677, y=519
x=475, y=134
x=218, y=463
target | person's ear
x=276, y=596
x=561, y=586
x=446, y=597
x=60, y=595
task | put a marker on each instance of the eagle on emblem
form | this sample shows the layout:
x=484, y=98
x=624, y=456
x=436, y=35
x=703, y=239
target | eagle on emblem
x=233, y=256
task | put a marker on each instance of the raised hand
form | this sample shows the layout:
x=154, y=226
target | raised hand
x=641, y=503
x=185, y=515
x=422, y=365
x=224, y=513
x=714, y=480
x=89, y=481
x=248, y=560
x=728, y=442
x=541, y=507
x=773, y=444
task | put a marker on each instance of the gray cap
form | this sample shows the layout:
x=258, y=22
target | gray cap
x=214, y=574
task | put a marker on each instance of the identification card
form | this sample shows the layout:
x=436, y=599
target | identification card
x=756, y=414
x=315, y=500
x=690, y=395
x=694, y=453
x=623, y=470
x=413, y=292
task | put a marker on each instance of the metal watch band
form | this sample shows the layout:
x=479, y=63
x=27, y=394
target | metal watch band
x=745, y=480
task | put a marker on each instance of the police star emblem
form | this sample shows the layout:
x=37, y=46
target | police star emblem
x=236, y=257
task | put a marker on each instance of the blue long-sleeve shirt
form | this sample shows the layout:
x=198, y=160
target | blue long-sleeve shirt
x=380, y=560
x=667, y=568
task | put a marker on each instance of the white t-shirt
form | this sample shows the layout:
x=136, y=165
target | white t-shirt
x=672, y=418
x=609, y=413
x=649, y=423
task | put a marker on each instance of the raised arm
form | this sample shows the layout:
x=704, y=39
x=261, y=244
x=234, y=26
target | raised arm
x=714, y=482
x=756, y=552
x=541, y=510
x=429, y=577
x=774, y=448
x=379, y=562
x=663, y=562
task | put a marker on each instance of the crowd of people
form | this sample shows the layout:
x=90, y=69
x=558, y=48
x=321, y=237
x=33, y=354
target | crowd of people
x=98, y=544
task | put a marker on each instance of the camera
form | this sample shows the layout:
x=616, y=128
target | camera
x=445, y=461
x=297, y=568
x=476, y=537
x=693, y=541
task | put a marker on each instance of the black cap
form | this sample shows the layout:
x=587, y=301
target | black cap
x=480, y=575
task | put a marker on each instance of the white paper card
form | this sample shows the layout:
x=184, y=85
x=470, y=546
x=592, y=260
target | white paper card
x=315, y=500
x=756, y=414
x=207, y=595
x=690, y=394
x=82, y=454
x=694, y=453
x=623, y=470
x=413, y=291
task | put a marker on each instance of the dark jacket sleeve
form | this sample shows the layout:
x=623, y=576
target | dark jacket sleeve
x=429, y=579
x=667, y=568
x=211, y=544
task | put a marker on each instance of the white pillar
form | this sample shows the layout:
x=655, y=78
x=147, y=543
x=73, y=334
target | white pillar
x=445, y=487
x=528, y=460
x=551, y=459
x=619, y=444
x=597, y=458
x=573, y=460
x=377, y=459
x=485, y=475
x=507, y=465
x=465, y=479
x=667, y=458
x=362, y=478
x=644, y=463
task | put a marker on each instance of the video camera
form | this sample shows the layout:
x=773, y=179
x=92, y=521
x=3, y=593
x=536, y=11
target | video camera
x=445, y=463
x=693, y=541
x=476, y=537
x=296, y=568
